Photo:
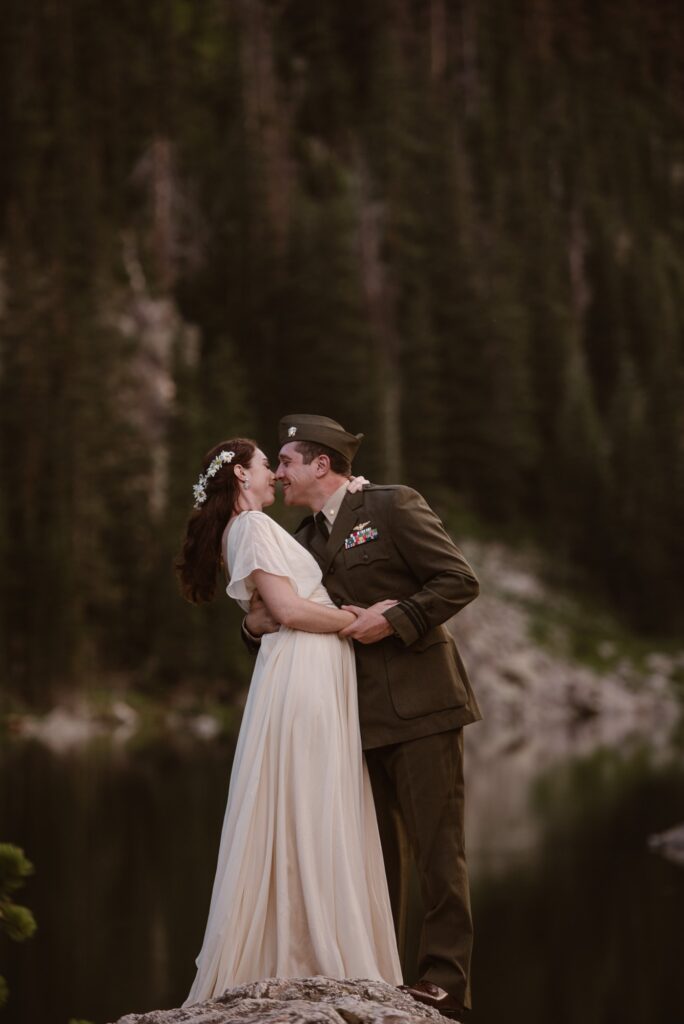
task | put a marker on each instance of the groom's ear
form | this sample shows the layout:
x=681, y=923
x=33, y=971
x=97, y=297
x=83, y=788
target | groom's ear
x=322, y=465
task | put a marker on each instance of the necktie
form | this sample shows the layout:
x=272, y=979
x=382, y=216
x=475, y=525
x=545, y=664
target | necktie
x=321, y=525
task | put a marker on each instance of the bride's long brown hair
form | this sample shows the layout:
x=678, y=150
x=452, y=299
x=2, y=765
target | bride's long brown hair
x=199, y=560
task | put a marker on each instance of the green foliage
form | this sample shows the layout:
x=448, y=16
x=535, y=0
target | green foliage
x=15, y=868
x=17, y=922
x=457, y=229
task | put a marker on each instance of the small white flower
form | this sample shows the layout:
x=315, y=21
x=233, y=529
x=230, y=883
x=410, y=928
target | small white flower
x=199, y=489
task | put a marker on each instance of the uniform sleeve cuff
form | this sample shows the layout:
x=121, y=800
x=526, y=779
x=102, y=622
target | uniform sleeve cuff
x=402, y=625
x=253, y=642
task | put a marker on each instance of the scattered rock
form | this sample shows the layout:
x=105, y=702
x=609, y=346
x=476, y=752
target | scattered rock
x=205, y=727
x=316, y=1000
x=62, y=729
x=670, y=844
x=607, y=649
x=660, y=664
x=124, y=714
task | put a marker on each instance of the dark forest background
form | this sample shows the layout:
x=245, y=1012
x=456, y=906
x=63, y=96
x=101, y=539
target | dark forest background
x=456, y=227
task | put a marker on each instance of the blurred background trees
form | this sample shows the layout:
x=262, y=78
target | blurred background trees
x=455, y=227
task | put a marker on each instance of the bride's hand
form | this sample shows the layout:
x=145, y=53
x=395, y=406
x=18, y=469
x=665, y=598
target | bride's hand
x=356, y=483
x=370, y=624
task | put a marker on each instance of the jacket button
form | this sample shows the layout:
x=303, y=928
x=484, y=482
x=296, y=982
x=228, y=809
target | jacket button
x=365, y=556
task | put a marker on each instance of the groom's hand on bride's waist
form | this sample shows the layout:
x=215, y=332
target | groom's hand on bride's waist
x=370, y=624
x=258, y=619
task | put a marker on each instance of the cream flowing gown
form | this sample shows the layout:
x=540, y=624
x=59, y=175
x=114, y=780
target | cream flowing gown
x=300, y=886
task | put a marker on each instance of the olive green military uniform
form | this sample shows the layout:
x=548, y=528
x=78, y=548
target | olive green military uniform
x=414, y=696
x=414, y=692
x=413, y=684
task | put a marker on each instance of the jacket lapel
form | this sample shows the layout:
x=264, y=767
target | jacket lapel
x=347, y=518
x=317, y=545
x=310, y=538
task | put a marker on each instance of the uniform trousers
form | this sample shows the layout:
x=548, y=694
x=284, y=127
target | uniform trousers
x=419, y=798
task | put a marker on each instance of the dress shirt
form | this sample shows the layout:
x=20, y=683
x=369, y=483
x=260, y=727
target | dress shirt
x=332, y=505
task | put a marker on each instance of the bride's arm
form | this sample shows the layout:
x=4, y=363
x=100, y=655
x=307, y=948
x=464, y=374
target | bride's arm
x=296, y=612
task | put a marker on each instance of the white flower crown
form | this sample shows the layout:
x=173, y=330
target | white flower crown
x=199, y=489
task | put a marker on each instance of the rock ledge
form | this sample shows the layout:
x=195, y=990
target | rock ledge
x=316, y=1000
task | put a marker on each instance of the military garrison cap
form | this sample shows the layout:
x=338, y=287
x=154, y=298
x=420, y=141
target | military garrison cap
x=320, y=430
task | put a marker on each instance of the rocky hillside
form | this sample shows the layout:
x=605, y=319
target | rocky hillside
x=541, y=661
x=551, y=678
x=556, y=681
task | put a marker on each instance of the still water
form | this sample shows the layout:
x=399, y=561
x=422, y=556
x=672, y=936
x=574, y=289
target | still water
x=576, y=921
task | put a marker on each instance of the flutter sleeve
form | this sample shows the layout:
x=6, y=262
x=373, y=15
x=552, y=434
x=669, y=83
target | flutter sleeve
x=254, y=542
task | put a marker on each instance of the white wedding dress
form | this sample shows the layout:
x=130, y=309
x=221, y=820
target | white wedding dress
x=300, y=885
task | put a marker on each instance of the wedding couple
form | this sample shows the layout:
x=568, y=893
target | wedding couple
x=334, y=733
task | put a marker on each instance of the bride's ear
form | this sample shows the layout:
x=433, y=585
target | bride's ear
x=240, y=473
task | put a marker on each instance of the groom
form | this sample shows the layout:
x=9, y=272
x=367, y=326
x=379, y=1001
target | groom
x=385, y=555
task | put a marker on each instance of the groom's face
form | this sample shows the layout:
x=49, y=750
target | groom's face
x=296, y=477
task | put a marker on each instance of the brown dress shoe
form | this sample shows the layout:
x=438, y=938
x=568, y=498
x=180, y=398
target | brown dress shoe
x=425, y=991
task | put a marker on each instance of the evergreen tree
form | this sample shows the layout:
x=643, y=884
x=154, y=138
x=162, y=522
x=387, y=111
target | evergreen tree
x=456, y=229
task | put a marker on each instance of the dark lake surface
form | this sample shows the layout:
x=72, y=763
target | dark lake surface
x=576, y=921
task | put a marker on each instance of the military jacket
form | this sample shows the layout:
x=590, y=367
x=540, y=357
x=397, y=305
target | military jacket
x=388, y=543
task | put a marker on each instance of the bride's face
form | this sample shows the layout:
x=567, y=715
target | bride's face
x=261, y=479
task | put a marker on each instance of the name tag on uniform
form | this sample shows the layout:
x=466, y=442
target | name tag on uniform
x=361, y=534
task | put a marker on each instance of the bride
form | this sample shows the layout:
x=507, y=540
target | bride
x=300, y=886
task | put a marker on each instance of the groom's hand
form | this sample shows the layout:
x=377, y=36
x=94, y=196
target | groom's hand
x=258, y=619
x=370, y=624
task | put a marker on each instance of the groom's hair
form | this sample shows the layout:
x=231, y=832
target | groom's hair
x=311, y=449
